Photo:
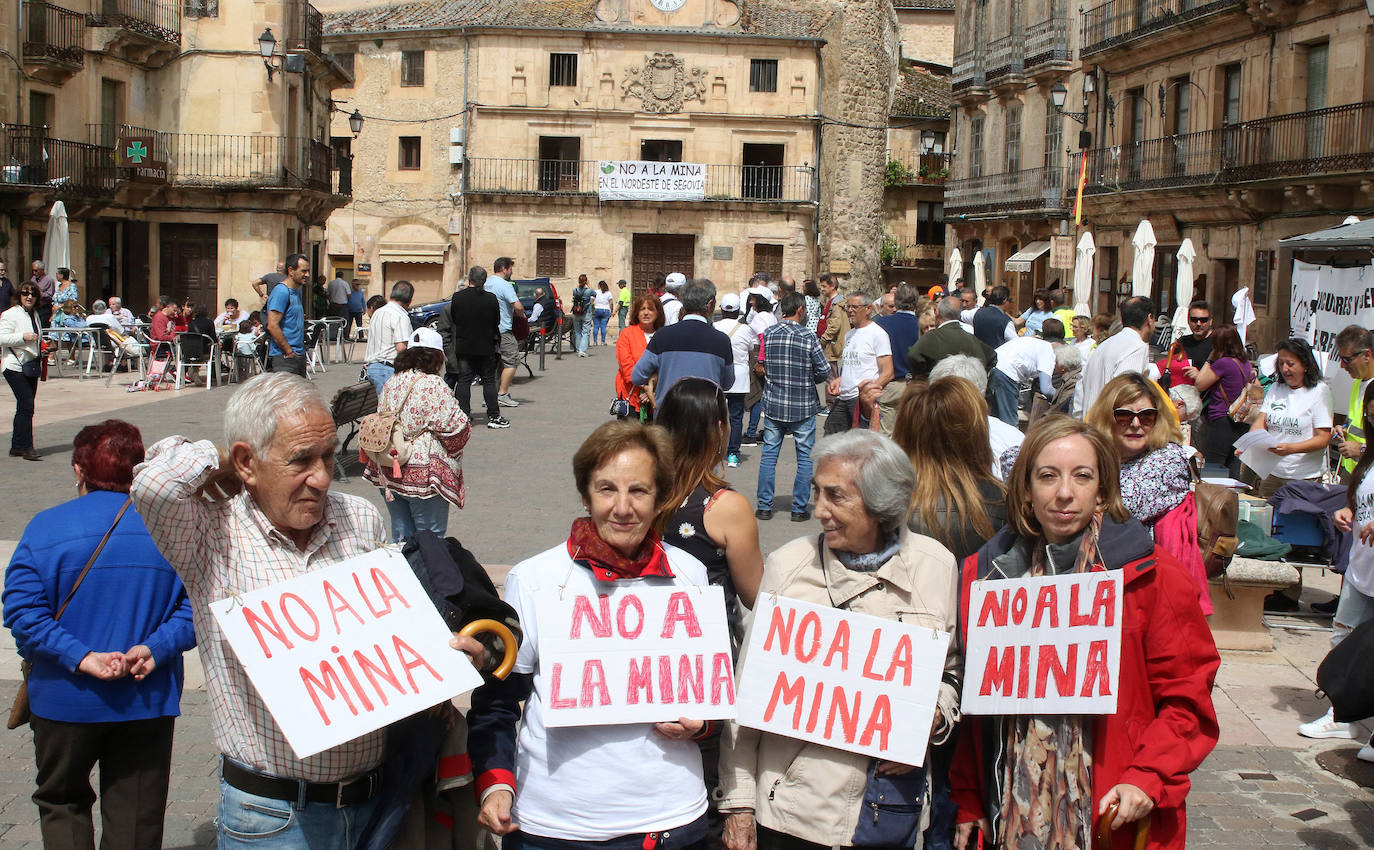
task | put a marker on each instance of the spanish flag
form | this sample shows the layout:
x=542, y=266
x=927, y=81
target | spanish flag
x=1082, y=178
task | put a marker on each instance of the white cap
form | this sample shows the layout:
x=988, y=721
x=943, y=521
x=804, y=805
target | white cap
x=675, y=280
x=427, y=338
x=729, y=302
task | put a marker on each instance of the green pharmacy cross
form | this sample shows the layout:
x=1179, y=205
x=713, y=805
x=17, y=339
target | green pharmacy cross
x=136, y=152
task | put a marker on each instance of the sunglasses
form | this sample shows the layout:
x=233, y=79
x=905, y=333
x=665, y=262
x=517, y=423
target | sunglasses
x=1347, y=359
x=27, y=293
x=1147, y=417
x=1199, y=320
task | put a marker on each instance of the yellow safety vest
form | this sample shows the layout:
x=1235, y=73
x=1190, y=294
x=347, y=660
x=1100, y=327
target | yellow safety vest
x=1354, y=422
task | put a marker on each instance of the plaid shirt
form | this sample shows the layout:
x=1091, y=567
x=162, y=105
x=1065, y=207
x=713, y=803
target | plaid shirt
x=223, y=548
x=793, y=364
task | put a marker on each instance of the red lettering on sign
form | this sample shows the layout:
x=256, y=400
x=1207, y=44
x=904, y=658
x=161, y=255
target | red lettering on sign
x=1023, y=675
x=994, y=606
x=582, y=609
x=1064, y=674
x=257, y=624
x=901, y=660
x=815, y=715
x=869, y=673
x=839, y=645
x=388, y=592
x=380, y=669
x=789, y=692
x=337, y=604
x=879, y=723
x=807, y=650
x=556, y=680
x=291, y=621
x=691, y=678
x=780, y=629
x=594, y=680
x=641, y=679
x=1019, y=602
x=722, y=682
x=352, y=679
x=1047, y=600
x=1104, y=601
x=1096, y=675
x=329, y=684
x=848, y=715
x=665, y=679
x=997, y=675
x=680, y=610
x=626, y=603
x=358, y=583
x=415, y=661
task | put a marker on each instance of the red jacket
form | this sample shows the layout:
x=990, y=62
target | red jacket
x=1165, y=724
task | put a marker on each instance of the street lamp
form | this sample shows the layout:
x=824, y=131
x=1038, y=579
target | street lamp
x=355, y=123
x=928, y=135
x=267, y=45
x=1058, y=93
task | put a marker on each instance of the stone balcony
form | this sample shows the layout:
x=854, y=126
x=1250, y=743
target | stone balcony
x=1118, y=24
x=1030, y=191
x=53, y=42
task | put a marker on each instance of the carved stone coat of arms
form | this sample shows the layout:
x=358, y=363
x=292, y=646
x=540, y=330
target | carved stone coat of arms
x=663, y=83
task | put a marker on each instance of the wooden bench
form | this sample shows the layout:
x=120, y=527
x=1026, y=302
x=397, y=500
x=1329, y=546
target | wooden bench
x=1237, y=620
x=349, y=405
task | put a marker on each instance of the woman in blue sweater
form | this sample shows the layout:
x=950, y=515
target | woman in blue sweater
x=106, y=681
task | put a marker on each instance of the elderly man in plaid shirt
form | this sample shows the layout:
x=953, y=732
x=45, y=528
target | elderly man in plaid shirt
x=232, y=521
x=793, y=363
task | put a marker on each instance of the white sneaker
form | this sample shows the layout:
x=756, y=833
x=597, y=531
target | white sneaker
x=1366, y=753
x=1327, y=727
x=504, y=400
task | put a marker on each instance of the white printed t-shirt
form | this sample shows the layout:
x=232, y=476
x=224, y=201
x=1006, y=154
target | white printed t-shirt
x=859, y=362
x=634, y=779
x=1291, y=416
x=1360, y=572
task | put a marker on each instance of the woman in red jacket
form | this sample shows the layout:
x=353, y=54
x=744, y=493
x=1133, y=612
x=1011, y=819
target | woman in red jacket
x=1042, y=781
x=647, y=313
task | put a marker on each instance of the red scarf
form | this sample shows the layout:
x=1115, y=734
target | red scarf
x=606, y=562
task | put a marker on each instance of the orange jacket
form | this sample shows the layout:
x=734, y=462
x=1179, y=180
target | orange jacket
x=628, y=348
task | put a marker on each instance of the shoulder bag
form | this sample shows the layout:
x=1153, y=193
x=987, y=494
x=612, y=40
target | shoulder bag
x=382, y=440
x=19, y=712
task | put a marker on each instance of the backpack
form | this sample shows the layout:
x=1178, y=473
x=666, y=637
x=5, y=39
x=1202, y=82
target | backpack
x=1344, y=675
x=579, y=306
x=382, y=440
x=1218, y=513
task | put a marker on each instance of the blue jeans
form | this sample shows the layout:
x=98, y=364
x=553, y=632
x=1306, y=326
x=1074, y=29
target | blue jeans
x=600, y=318
x=582, y=331
x=379, y=374
x=1006, y=397
x=755, y=414
x=410, y=514
x=735, y=403
x=804, y=435
x=247, y=820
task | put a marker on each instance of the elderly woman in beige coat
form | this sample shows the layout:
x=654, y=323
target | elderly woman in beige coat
x=783, y=793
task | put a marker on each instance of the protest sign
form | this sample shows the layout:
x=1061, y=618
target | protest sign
x=344, y=650
x=1044, y=645
x=1324, y=301
x=841, y=678
x=636, y=180
x=636, y=655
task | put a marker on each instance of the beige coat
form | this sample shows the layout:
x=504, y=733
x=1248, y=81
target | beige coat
x=807, y=790
x=836, y=329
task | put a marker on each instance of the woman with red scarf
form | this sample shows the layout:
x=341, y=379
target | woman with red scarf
x=616, y=787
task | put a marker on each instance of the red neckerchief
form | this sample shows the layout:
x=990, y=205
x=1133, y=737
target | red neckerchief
x=587, y=548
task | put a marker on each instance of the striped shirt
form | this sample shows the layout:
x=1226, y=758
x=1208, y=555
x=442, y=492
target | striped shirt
x=221, y=549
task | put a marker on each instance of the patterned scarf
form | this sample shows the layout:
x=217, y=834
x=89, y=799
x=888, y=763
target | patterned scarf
x=607, y=563
x=869, y=561
x=1048, y=792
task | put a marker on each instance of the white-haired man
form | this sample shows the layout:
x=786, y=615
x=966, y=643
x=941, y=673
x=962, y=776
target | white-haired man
x=1002, y=436
x=122, y=313
x=866, y=361
x=237, y=519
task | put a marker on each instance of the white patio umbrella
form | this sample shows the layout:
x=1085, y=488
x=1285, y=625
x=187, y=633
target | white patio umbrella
x=57, y=246
x=1083, y=275
x=956, y=266
x=1183, y=288
x=1143, y=269
x=980, y=275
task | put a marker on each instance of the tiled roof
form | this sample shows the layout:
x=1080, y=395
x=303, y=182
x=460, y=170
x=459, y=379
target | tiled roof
x=757, y=17
x=921, y=93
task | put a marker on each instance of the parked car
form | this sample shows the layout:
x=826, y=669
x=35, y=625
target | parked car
x=426, y=314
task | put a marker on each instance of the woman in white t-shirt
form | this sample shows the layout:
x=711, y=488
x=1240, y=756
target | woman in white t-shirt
x=620, y=785
x=1297, y=412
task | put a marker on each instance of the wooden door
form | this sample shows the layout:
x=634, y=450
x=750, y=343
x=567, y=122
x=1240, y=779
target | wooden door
x=189, y=256
x=660, y=253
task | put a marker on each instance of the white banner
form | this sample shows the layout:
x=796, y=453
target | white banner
x=344, y=650
x=1325, y=300
x=636, y=655
x=841, y=679
x=636, y=180
x=1045, y=645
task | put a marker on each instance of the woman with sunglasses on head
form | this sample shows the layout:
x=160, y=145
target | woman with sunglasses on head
x=21, y=361
x=1156, y=471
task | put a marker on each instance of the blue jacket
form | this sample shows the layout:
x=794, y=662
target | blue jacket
x=903, y=329
x=131, y=596
x=690, y=348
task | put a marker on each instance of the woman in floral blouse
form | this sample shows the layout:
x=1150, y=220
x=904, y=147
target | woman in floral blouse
x=419, y=493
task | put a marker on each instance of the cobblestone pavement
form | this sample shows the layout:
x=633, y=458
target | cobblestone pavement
x=1262, y=787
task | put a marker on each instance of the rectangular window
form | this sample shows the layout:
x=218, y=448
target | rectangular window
x=768, y=259
x=550, y=257
x=1012, y=138
x=975, y=144
x=409, y=156
x=40, y=109
x=1230, y=92
x=1180, y=115
x=345, y=61
x=1054, y=136
x=930, y=223
x=559, y=167
x=1317, y=55
x=660, y=150
x=562, y=69
x=763, y=75
x=412, y=67
x=761, y=174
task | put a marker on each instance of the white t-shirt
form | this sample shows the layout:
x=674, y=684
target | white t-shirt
x=1025, y=357
x=603, y=300
x=672, y=308
x=1003, y=437
x=627, y=778
x=741, y=341
x=1360, y=572
x=859, y=362
x=1291, y=416
x=390, y=325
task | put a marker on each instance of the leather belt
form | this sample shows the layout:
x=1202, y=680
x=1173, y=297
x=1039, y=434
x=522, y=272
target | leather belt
x=347, y=792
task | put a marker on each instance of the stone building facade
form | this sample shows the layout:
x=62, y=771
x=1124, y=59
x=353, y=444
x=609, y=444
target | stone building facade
x=914, y=183
x=496, y=117
x=926, y=30
x=186, y=168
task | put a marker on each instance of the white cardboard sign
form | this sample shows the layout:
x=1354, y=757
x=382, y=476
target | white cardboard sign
x=850, y=681
x=1044, y=645
x=636, y=655
x=344, y=650
x=634, y=180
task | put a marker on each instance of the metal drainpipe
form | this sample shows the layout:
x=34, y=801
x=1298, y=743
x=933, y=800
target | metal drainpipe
x=465, y=239
x=816, y=174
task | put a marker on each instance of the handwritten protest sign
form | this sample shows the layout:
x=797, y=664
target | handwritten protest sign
x=636, y=655
x=850, y=681
x=344, y=650
x=1045, y=645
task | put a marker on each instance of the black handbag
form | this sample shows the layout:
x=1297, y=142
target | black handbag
x=32, y=368
x=1344, y=675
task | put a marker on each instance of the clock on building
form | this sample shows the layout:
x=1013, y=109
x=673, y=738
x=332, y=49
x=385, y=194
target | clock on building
x=667, y=5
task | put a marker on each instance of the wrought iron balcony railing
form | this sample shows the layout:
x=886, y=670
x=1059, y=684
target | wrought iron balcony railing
x=905, y=251
x=52, y=32
x=1332, y=141
x=230, y=162
x=156, y=19
x=31, y=159
x=1117, y=22
x=1038, y=189
x=1048, y=42
x=913, y=169
x=780, y=183
x=969, y=71
x=1005, y=57
x=304, y=27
